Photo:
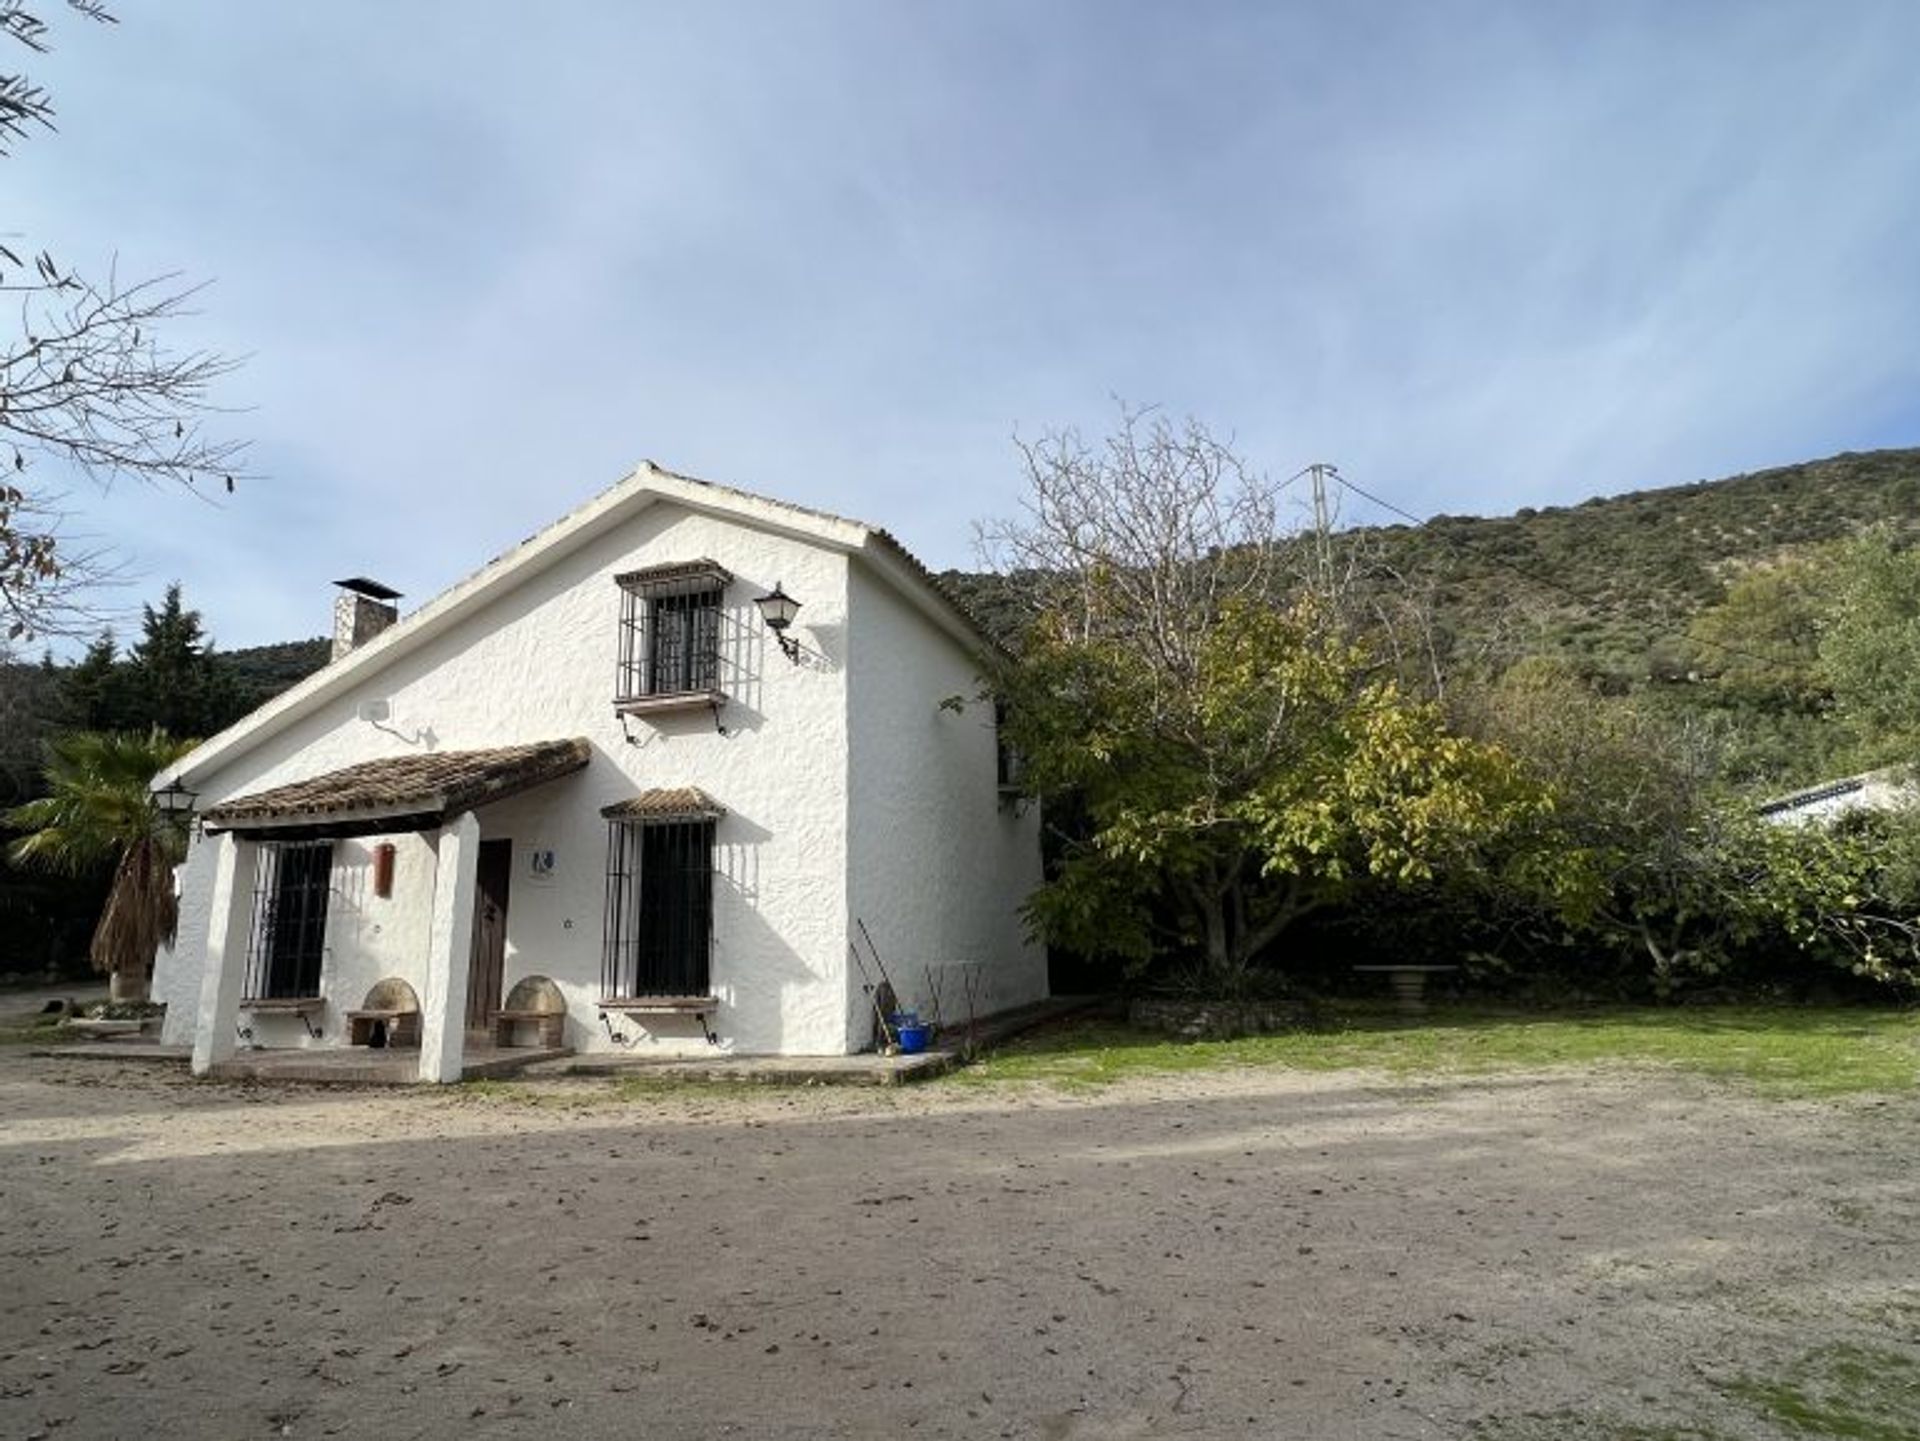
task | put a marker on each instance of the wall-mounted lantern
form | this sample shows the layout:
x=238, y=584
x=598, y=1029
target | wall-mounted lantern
x=778, y=609
x=175, y=802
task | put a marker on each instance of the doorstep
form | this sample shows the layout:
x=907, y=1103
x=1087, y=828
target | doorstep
x=865, y=1069
x=363, y=1066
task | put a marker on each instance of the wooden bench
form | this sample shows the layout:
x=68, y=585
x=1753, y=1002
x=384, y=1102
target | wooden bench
x=699, y=1007
x=303, y=1008
x=284, y=1005
x=1409, y=983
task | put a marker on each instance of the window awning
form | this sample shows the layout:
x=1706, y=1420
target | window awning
x=397, y=793
x=682, y=803
x=687, y=577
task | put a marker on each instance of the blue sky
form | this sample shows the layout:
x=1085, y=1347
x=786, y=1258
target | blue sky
x=482, y=257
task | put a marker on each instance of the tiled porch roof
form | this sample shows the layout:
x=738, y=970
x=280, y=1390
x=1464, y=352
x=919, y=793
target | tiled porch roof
x=682, y=803
x=417, y=789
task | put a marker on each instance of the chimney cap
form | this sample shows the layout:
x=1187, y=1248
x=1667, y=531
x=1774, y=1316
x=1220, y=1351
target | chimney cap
x=371, y=589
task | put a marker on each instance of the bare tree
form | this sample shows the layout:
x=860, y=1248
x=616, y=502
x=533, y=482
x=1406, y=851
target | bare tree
x=1153, y=533
x=87, y=388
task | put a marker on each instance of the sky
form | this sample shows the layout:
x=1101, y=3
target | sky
x=483, y=258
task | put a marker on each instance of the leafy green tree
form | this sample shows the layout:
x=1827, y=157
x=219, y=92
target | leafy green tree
x=1239, y=761
x=1870, y=646
x=99, y=815
x=1627, y=855
x=1287, y=776
x=1761, y=643
x=1846, y=894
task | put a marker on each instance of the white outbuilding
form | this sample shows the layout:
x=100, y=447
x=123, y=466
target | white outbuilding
x=641, y=784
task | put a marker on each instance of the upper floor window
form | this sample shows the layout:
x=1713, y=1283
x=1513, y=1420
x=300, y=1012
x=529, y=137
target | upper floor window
x=671, y=620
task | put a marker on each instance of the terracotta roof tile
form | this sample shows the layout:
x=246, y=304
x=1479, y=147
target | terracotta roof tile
x=682, y=803
x=438, y=783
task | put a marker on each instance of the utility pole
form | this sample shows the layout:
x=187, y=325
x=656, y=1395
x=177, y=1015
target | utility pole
x=1322, y=525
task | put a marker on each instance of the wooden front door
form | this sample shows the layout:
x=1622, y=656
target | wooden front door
x=489, y=962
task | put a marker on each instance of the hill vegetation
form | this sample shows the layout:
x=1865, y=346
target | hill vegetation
x=259, y=673
x=1530, y=746
x=1611, y=585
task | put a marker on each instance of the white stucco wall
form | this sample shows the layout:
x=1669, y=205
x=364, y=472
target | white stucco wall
x=368, y=938
x=938, y=864
x=537, y=663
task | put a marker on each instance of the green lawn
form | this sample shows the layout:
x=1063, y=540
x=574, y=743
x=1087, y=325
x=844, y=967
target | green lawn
x=1788, y=1051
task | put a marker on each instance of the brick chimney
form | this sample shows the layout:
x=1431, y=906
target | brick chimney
x=361, y=610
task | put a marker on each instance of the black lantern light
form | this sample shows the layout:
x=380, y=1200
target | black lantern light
x=175, y=801
x=778, y=609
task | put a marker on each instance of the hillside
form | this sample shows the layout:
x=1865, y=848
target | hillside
x=261, y=672
x=1612, y=582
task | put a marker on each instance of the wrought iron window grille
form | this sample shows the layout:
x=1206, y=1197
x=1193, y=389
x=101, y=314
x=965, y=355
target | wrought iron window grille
x=287, y=938
x=658, y=926
x=674, y=632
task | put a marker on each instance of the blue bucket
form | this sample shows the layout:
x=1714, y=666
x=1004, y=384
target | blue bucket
x=909, y=1032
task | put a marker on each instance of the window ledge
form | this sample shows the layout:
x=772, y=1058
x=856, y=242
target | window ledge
x=661, y=1005
x=671, y=701
x=283, y=1003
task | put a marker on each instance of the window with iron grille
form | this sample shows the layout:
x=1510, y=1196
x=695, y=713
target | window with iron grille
x=659, y=919
x=671, y=622
x=292, y=883
x=1009, y=765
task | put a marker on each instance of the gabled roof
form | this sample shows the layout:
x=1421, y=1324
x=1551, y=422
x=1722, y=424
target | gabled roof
x=418, y=789
x=647, y=485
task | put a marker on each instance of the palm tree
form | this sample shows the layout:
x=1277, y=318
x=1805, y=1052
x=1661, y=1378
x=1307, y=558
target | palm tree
x=98, y=812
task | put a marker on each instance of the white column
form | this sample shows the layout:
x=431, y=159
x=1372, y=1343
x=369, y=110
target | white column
x=224, y=964
x=443, y=1009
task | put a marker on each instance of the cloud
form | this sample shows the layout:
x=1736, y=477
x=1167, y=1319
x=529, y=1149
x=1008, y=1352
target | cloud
x=1480, y=256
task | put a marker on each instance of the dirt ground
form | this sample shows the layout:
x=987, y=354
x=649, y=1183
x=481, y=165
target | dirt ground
x=1239, y=1254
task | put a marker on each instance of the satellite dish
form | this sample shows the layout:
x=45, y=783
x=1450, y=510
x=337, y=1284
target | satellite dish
x=374, y=711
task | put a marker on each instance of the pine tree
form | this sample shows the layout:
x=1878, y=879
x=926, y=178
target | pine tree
x=177, y=684
x=92, y=693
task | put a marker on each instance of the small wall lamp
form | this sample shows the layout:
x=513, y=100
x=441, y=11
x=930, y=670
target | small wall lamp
x=778, y=609
x=175, y=801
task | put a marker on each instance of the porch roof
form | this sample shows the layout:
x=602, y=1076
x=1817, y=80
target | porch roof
x=414, y=792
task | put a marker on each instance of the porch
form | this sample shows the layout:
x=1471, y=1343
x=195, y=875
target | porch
x=425, y=1007
x=360, y=1066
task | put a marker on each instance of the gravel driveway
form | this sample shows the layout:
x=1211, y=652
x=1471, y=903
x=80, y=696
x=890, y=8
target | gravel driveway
x=1236, y=1254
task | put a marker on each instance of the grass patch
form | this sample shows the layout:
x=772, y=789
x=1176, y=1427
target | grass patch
x=1847, y=1392
x=1783, y=1050
x=40, y=1031
x=1841, y=1392
x=1583, y=1426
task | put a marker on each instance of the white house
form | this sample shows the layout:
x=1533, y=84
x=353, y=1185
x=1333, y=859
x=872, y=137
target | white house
x=1883, y=790
x=594, y=767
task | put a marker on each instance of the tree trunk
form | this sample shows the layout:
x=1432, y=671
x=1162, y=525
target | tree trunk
x=128, y=986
